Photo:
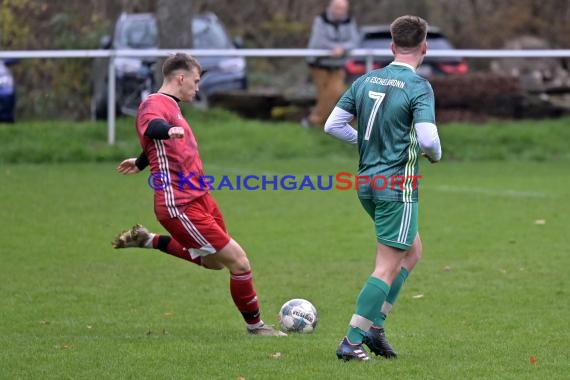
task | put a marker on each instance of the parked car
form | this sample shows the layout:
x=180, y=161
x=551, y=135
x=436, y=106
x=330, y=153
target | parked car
x=7, y=91
x=221, y=74
x=135, y=76
x=379, y=37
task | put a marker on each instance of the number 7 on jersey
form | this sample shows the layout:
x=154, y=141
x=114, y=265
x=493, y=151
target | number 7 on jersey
x=378, y=97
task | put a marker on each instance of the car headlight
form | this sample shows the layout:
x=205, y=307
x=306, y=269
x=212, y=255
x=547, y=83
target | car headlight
x=232, y=65
x=128, y=65
x=6, y=80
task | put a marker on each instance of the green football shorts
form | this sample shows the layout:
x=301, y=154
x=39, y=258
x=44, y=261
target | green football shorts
x=396, y=222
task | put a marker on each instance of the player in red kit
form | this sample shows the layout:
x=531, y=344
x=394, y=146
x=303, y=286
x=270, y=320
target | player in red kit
x=182, y=203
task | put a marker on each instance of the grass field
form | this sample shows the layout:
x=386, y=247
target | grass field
x=494, y=294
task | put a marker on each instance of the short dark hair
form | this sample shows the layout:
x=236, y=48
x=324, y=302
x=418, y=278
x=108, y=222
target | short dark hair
x=408, y=31
x=179, y=61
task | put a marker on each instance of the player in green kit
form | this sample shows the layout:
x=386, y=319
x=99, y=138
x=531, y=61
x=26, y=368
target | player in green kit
x=394, y=108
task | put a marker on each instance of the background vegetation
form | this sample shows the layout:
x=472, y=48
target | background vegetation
x=487, y=301
x=67, y=141
x=61, y=87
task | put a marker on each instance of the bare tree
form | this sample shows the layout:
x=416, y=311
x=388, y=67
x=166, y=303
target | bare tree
x=174, y=18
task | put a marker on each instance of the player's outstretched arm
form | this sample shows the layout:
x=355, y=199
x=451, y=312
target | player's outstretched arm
x=159, y=129
x=133, y=165
x=128, y=166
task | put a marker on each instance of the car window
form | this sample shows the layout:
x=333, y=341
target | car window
x=382, y=40
x=209, y=35
x=438, y=43
x=138, y=34
x=376, y=40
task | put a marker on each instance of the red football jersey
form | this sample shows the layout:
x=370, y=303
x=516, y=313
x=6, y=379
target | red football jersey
x=175, y=164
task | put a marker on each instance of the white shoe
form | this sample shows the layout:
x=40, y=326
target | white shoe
x=265, y=330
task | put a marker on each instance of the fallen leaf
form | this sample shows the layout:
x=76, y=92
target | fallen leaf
x=169, y=314
x=533, y=360
x=540, y=221
x=446, y=268
x=240, y=378
x=89, y=327
x=418, y=296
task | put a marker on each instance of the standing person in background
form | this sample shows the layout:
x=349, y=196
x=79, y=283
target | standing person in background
x=395, y=110
x=334, y=30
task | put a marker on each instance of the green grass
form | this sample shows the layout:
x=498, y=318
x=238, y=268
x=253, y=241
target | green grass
x=74, y=308
x=531, y=140
x=493, y=281
x=220, y=134
x=223, y=136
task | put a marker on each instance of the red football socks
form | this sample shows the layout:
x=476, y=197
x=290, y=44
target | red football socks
x=168, y=245
x=244, y=296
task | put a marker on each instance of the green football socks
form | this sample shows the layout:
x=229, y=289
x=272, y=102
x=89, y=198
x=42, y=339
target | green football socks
x=392, y=296
x=368, y=303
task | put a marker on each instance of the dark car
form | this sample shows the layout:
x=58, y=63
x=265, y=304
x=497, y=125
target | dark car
x=7, y=92
x=379, y=37
x=134, y=76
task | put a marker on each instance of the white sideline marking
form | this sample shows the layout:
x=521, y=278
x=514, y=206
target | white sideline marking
x=442, y=188
x=499, y=193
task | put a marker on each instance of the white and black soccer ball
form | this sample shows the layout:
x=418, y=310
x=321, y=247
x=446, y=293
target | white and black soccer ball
x=298, y=315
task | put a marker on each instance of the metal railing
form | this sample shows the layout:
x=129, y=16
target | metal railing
x=253, y=53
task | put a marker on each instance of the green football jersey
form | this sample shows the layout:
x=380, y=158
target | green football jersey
x=387, y=103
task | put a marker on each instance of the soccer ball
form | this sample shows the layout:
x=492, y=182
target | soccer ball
x=298, y=315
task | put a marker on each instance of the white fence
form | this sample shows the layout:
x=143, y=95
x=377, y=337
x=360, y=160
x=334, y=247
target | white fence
x=259, y=53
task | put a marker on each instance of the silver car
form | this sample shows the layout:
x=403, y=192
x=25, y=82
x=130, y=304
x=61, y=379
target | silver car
x=135, y=76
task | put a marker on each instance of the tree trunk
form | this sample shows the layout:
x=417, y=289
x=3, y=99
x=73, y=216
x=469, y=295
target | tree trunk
x=174, y=23
x=174, y=18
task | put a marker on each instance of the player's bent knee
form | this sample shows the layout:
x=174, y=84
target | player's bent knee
x=234, y=258
x=241, y=265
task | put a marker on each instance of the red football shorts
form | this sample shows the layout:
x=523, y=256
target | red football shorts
x=200, y=229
